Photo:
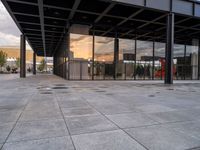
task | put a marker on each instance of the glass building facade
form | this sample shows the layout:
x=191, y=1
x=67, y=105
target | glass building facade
x=92, y=58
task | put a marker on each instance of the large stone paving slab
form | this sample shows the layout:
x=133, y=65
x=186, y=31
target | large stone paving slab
x=128, y=120
x=153, y=108
x=40, y=115
x=191, y=128
x=41, y=105
x=72, y=103
x=9, y=116
x=82, y=111
x=59, y=143
x=87, y=124
x=161, y=138
x=172, y=116
x=38, y=129
x=109, y=140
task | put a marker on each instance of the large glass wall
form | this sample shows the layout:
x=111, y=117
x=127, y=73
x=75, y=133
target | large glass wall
x=80, y=56
x=191, y=62
x=126, y=63
x=103, y=58
x=134, y=61
x=159, y=61
x=179, y=62
x=144, y=57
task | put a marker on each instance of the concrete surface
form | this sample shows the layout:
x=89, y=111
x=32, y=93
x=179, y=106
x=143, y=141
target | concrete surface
x=46, y=112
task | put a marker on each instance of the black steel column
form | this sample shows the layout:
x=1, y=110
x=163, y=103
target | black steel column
x=68, y=55
x=135, y=57
x=116, y=56
x=22, y=56
x=153, y=67
x=199, y=61
x=93, y=51
x=65, y=50
x=169, y=49
x=184, y=65
x=34, y=63
x=54, y=64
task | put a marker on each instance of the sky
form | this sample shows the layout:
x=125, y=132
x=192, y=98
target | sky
x=9, y=33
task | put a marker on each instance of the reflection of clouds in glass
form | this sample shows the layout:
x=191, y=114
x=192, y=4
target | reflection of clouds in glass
x=77, y=37
x=126, y=46
x=159, y=49
x=144, y=48
x=81, y=46
x=103, y=40
x=178, y=50
x=104, y=48
x=104, y=45
x=191, y=50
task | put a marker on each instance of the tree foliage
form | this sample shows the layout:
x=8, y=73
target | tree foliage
x=42, y=65
x=3, y=59
x=17, y=62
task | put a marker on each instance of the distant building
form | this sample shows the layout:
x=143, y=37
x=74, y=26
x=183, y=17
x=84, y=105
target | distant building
x=14, y=52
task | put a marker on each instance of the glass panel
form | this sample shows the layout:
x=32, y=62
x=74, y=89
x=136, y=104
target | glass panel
x=125, y=68
x=191, y=62
x=103, y=58
x=144, y=57
x=80, y=56
x=178, y=60
x=159, y=68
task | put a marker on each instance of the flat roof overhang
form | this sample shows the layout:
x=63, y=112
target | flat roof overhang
x=45, y=22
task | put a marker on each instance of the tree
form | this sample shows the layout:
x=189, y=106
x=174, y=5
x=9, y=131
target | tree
x=42, y=65
x=17, y=62
x=8, y=68
x=3, y=59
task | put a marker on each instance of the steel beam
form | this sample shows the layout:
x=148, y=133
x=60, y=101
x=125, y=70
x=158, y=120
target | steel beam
x=105, y=12
x=34, y=63
x=125, y=20
x=74, y=8
x=41, y=13
x=169, y=49
x=22, y=56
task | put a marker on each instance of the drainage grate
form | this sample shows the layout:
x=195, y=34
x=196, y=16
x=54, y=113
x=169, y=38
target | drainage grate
x=109, y=94
x=59, y=87
x=62, y=92
x=100, y=91
x=59, y=84
x=151, y=95
x=46, y=93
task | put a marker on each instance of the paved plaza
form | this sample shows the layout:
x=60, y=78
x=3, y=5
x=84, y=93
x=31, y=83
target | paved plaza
x=45, y=112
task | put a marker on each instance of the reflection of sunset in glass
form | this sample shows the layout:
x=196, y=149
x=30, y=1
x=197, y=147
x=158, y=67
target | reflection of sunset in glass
x=81, y=46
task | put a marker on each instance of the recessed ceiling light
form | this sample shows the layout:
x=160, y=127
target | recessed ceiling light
x=84, y=17
x=56, y=13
